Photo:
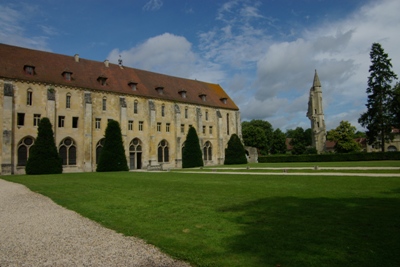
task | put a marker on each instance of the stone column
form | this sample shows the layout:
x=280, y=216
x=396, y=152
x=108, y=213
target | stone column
x=89, y=164
x=124, y=124
x=152, y=130
x=7, y=164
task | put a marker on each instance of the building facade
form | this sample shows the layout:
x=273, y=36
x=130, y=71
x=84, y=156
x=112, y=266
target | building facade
x=316, y=115
x=79, y=96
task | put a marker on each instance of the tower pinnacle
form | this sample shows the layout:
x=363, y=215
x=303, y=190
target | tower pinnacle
x=316, y=115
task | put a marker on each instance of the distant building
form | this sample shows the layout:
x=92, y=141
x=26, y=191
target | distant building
x=79, y=96
x=316, y=115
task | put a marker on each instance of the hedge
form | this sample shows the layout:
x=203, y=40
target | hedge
x=331, y=157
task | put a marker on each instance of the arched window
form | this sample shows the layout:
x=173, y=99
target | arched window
x=68, y=101
x=67, y=151
x=29, y=96
x=104, y=106
x=392, y=149
x=24, y=147
x=99, y=147
x=135, y=154
x=162, y=110
x=163, y=151
x=135, y=107
x=183, y=147
x=207, y=151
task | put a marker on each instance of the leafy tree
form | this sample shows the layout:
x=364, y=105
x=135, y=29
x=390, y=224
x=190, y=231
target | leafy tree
x=266, y=127
x=344, y=136
x=359, y=134
x=278, y=142
x=44, y=158
x=379, y=116
x=192, y=155
x=396, y=106
x=299, y=141
x=112, y=156
x=254, y=137
x=235, y=153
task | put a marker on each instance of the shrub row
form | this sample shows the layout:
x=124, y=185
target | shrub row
x=331, y=157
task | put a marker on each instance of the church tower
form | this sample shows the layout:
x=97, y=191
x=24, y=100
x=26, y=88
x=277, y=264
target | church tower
x=316, y=115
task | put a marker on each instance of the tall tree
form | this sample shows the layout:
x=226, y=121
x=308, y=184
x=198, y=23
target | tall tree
x=344, y=136
x=379, y=116
x=278, y=142
x=254, y=137
x=44, y=158
x=192, y=155
x=112, y=156
x=396, y=106
x=235, y=152
x=299, y=141
x=266, y=127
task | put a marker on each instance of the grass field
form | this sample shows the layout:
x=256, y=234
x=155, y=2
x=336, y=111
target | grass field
x=241, y=220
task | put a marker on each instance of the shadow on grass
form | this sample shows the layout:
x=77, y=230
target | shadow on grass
x=299, y=232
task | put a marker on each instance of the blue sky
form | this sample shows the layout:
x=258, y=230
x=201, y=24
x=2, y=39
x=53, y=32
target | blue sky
x=263, y=53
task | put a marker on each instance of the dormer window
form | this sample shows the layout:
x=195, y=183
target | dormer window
x=224, y=100
x=29, y=70
x=182, y=93
x=160, y=90
x=102, y=80
x=203, y=97
x=132, y=85
x=67, y=75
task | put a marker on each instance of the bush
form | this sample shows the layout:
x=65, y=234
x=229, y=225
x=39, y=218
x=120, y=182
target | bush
x=235, y=153
x=192, y=155
x=43, y=155
x=333, y=157
x=112, y=156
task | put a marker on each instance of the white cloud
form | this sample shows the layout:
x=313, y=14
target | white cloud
x=340, y=52
x=12, y=32
x=153, y=5
x=169, y=54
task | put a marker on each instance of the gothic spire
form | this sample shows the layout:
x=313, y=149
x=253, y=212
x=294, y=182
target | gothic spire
x=316, y=80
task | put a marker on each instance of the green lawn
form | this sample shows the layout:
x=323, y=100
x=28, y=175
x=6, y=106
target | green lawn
x=242, y=220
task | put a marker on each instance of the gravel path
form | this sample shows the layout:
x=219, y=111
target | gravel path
x=34, y=231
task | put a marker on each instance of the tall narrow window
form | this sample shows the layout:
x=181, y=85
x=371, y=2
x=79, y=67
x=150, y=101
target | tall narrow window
x=227, y=124
x=206, y=115
x=68, y=101
x=163, y=151
x=182, y=128
x=204, y=129
x=61, y=120
x=75, y=122
x=186, y=112
x=20, y=119
x=211, y=129
x=36, y=119
x=135, y=107
x=99, y=147
x=158, y=126
x=98, y=123
x=163, y=110
x=104, y=104
x=29, y=95
x=130, y=125
x=140, y=125
x=167, y=127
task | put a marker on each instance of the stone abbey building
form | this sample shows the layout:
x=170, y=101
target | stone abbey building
x=79, y=96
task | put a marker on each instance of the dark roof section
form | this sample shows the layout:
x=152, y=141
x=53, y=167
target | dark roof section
x=85, y=74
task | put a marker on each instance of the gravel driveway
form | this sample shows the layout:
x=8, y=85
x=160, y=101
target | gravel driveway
x=34, y=231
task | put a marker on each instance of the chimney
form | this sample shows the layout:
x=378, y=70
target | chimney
x=76, y=57
x=106, y=62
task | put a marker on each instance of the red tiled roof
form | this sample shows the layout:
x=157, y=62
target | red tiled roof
x=49, y=68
